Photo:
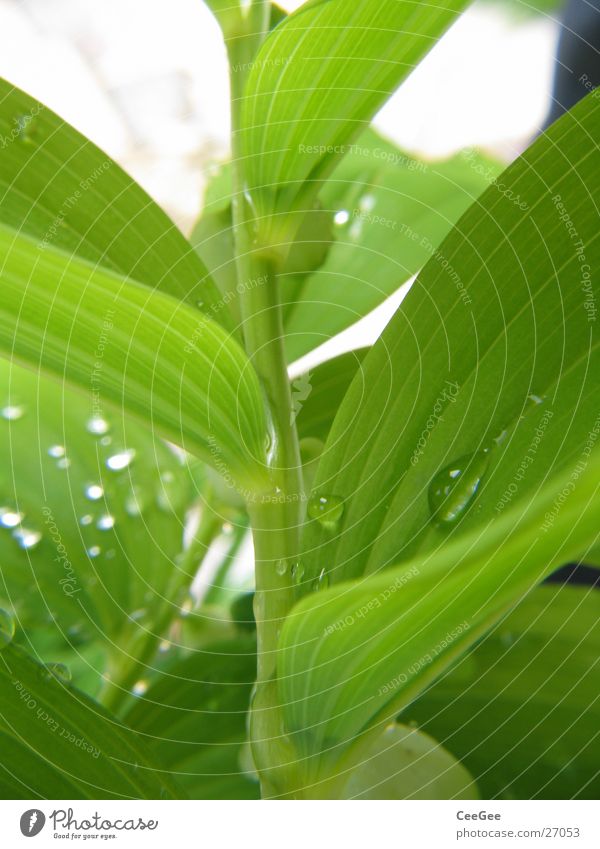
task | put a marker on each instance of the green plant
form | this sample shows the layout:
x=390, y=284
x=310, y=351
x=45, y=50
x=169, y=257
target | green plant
x=405, y=501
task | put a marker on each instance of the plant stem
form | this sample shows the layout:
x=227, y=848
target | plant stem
x=275, y=516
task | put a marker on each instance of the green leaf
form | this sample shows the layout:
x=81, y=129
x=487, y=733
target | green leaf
x=60, y=189
x=194, y=720
x=130, y=348
x=57, y=743
x=390, y=212
x=491, y=361
x=521, y=711
x=354, y=655
x=316, y=83
x=91, y=528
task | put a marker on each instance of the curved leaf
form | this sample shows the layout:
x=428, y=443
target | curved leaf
x=317, y=81
x=361, y=651
x=60, y=189
x=92, y=512
x=492, y=360
x=58, y=743
x=521, y=711
x=134, y=349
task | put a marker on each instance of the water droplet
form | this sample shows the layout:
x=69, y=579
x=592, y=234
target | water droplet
x=56, y=451
x=454, y=487
x=139, y=688
x=281, y=567
x=97, y=425
x=59, y=671
x=10, y=518
x=164, y=646
x=94, y=551
x=106, y=440
x=87, y=519
x=341, y=217
x=121, y=460
x=27, y=538
x=106, y=522
x=297, y=573
x=535, y=399
x=138, y=614
x=12, y=412
x=327, y=510
x=501, y=437
x=63, y=463
x=94, y=491
x=322, y=582
x=7, y=628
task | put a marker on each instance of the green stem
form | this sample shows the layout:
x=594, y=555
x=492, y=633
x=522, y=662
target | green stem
x=275, y=516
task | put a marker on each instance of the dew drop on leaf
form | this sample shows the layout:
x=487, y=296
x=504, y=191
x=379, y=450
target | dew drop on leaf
x=322, y=582
x=139, y=688
x=94, y=491
x=7, y=629
x=453, y=488
x=326, y=509
x=121, y=460
x=63, y=463
x=281, y=567
x=106, y=522
x=535, y=399
x=297, y=573
x=86, y=519
x=94, y=551
x=59, y=671
x=10, y=518
x=97, y=425
x=56, y=451
x=12, y=412
x=26, y=537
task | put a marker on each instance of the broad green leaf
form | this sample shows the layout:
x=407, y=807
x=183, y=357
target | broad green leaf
x=194, y=720
x=354, y=655
x=389, y=212
x=317, y=394
x=521, y=710
x=128, y=347
x=92, y=511
x=317, y=81
x=57, y=743
x=489, y=368
x=63, y=191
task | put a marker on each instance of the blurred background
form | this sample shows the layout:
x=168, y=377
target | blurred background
x=147, y=81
